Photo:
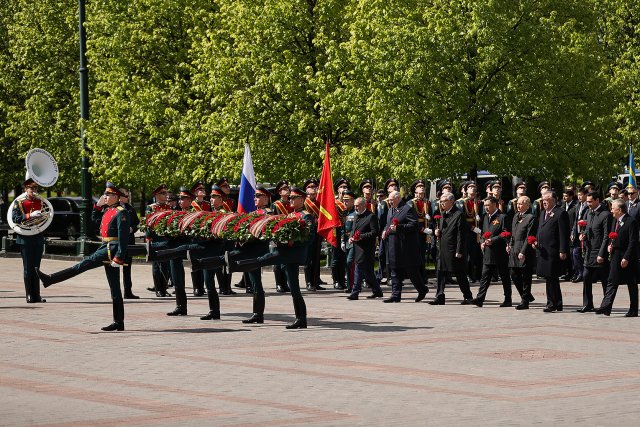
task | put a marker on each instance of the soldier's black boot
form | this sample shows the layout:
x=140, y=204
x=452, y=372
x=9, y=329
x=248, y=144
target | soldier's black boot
x=241, y=284
x=128, y=285
x=308, y=278
x=300, y=309
x=197, y=279
x=118, y=316
x=160, y=285
x=258, y=309
x=32, y=289
x=281, y=279
x=60, y=276
x=214, y=305
x=181, y=305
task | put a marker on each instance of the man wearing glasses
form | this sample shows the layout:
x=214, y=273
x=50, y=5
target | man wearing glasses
x=114, y=231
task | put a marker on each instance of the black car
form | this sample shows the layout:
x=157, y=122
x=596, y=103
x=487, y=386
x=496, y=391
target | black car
x=66, y=219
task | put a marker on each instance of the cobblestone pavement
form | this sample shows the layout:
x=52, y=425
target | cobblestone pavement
x=360, y=363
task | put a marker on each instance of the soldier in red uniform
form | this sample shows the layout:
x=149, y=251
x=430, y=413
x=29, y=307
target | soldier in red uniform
x=199, y=203
x=281, y=207
x=159, y=270
x=113, y=222
x=312, y=267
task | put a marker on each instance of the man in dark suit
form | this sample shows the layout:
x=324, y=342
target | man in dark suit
x=363, y=238
x=494, y=252
x=403, y=258
x=624, y=259
x=579, y=213
x=522, y=256
x=553, y=247
x=595, y=239
x=450, y=231
x=569, y=204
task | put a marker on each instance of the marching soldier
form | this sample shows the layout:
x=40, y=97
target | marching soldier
x=31, y=247
x=159, y=270
x=228, y=205
x=114, y=231
x=281, y=207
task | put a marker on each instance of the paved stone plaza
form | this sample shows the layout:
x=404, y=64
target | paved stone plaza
x=360, y=363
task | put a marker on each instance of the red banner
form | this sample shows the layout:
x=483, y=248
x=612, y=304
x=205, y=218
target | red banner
x=328, y=219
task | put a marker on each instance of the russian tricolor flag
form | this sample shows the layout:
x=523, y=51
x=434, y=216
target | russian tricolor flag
x=247, y=184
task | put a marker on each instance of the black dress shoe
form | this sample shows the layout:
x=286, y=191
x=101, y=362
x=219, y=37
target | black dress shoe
x=34, y=300
x=559, y=308
x=436, y=301
x=549, y=309
x=319, y=288
x=255, y=318
x=240, y=285
x=392, y=299
x=353, y=297
x=298, y=324
x=631, y=314
x=477, y=302
x=421, y=296
x=347, y=290
x=375, y=295
x=576, y=280
x=115, y=326
x=162, y=294
x=212, y=315
x=467, y=301
x=281, y=289
x=178, y=311
x=585, y=309
x=198, y=292
x=130, y=295
x=523, y=306
x=310, y=287
x=507, y=303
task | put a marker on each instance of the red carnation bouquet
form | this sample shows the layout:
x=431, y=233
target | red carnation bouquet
x=613, y=235
x=437, y=217
x=356, y=236
x=290, y=229
x=486, y=235
x=582, y=223
x=532, y=240
x=505, y=235
x=395, y=221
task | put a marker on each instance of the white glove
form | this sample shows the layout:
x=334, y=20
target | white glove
x=343, y=246
x=115, y=264
x=428, y=217
x=35, y=214
x=427, y=231
x=477, y=230
x=477, y=218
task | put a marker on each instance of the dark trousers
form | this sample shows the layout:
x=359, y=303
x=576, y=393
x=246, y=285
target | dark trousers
x=463, y=283
x=577, y=261
x=338, y=265
x=554, y=293
x=293, y=279
x=365, y=271
x=160, y=272
x=590, y=275
x=412, y=273
x=521, y=278
x=488, y=271
x=382, y=260
x=610, y=296
x=351, y=270
x=474, y=258
x=31, y=252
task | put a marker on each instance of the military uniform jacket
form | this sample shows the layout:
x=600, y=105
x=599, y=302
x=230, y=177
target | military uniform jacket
x=114, y=224
x=596, y=236
x=496, y=253
x=348, y=227
x=281, y=208
x=134, y=222
x=155, y=207
x=21, y=213
x=402, y=244
x=624, y=247
x=382, y=213
x=522, y=226
x=364, y=249
x=553, y=238
x=453, y=239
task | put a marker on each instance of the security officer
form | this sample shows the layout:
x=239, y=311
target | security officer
x=114, y=231
x=159, y=270
x=31, y=247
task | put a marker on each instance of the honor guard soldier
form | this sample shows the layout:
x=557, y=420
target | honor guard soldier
x=134, y=222
x=159, y=270
x=312, y=268
x=512, y=207
x=281, y=207
x=366, y=189
x=536, y=207
x=496, y=192
x=422, y=206
x=613, y=191
x=199, y=203
x=31, y=247
x=339, y=256
x=227, y=202
x=114, y=232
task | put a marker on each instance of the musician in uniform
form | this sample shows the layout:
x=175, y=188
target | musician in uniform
x=114, y=232
x=134, y=221
x=159, y=270
x=281, y=207
x=31, y=246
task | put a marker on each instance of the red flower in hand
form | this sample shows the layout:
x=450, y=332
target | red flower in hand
x=505, y=235
x=437, y=217
x=395, y=221
x=486, y=235
x=532, y=240
x=582, y=223
x=356, y=235
x=613, y=235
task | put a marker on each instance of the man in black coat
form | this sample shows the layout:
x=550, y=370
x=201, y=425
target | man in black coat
x=403, y=257
x=363, y=238
x=595, y=240
x=553, y=247
x=624, y=259
x=522, y=256
x=494, y=252
x=451, y=230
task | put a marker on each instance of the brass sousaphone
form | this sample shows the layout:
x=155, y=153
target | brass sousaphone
x=43, y=169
